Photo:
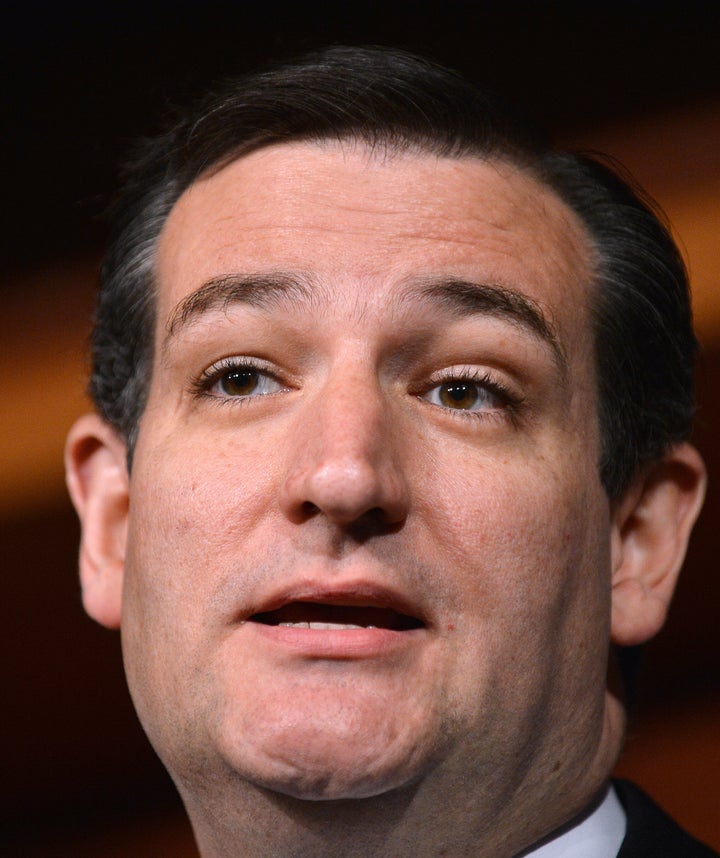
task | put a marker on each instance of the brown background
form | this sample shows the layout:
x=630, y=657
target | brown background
x=639, y=80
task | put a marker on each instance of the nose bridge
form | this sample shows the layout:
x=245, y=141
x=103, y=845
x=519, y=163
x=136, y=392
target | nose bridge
x=350, y=417
x=347, y=458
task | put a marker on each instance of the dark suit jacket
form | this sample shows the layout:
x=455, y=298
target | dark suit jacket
x=650, y=831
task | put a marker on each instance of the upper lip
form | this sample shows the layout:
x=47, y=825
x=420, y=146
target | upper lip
x=356, y=593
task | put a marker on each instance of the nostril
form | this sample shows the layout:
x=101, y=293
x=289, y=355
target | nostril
x=377, y=515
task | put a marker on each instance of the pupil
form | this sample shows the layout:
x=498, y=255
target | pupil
x=240, y=382
x=458, y=393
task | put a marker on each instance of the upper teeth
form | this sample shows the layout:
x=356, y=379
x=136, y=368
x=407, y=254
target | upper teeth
x=324, y=626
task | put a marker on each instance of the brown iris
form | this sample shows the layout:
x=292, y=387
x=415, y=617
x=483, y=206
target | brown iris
x=458, y=394
x=240, y=382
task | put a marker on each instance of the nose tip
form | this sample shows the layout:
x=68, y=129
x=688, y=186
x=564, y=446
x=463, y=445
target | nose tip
x=346, y=491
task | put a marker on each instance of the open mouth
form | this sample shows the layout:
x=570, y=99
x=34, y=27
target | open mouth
x=317, y=615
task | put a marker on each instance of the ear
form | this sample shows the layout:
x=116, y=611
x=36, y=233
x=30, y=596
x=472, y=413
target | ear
x=651, y=527
x=97, y=478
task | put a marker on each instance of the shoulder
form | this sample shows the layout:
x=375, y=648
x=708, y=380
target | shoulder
x=650, y=831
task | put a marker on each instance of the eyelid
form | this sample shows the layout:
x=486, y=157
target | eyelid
x=211, y=375
x=482, y=375
x=510, y=398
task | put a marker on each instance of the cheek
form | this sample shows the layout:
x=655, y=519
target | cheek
x=533, y=544
x=532, y=605
x=197, y=505
x=192, y=520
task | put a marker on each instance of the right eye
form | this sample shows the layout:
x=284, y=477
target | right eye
x=235, y=379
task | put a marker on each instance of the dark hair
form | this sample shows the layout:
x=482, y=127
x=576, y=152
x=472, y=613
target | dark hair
x=644, y=343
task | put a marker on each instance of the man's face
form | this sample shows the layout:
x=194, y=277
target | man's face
x=367, y=542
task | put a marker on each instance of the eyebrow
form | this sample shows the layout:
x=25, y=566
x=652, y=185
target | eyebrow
x=465, y=298
x=219, y=293
x=461, y=297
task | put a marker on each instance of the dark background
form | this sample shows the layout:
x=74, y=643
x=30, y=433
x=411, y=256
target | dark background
x=82, y=81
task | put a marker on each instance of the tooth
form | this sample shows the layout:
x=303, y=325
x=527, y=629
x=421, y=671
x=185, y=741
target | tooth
x=323, y=626
x=327, y=626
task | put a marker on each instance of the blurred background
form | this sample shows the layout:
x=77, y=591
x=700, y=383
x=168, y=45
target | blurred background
x=638, y=80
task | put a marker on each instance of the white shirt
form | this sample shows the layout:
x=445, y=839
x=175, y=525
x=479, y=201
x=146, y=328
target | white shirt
x=599, y=835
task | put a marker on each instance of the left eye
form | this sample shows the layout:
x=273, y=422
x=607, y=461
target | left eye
x=463, y=395
x=243, y=381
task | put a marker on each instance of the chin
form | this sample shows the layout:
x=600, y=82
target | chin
x=314, y=764
x=320, y=741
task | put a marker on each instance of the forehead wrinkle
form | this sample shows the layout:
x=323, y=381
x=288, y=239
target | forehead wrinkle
x=256, y=290
x=464, y=298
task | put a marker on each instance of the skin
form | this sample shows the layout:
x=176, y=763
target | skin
x=348, y=475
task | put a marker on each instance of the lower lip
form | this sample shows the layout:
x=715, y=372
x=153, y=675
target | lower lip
x=336, y=643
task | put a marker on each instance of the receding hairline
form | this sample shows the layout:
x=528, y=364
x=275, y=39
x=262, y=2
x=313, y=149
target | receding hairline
x=385, y=148
x=383, y=144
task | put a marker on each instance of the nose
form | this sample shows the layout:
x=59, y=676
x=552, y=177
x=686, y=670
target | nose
x=345, y=459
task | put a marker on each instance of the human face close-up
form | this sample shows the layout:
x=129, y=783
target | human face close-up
x=367, y=543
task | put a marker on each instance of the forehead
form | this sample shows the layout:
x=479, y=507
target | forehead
x=364, y=224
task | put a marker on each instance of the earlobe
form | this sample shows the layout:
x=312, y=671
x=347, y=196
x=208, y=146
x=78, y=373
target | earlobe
x=97, y=478
x=651, y=528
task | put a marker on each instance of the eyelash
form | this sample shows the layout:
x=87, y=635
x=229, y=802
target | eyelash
x=510, y=402
x=202, y=386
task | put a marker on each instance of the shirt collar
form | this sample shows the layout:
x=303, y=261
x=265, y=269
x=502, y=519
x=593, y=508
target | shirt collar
x=599, y=835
